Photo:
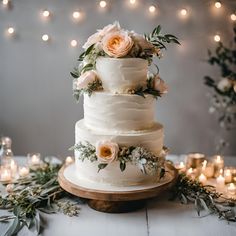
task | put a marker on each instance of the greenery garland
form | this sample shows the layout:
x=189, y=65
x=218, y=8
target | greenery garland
x=40, y=192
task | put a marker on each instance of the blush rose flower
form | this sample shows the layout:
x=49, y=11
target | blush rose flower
x=93, y=39
x=160, y=85
x=106, y=151
x=117, y=44
x=85, y=79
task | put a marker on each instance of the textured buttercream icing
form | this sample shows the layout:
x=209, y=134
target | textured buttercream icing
x=119, y=75
x=118, y=112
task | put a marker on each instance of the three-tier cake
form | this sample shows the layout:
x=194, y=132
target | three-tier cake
x=118, y=142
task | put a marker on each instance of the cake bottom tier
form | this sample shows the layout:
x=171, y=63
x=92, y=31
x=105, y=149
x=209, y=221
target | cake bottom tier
x=151, y=139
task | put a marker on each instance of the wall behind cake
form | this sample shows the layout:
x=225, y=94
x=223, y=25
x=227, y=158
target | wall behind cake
x=37, y=108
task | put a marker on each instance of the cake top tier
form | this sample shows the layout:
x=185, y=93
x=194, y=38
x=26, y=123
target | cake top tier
x=116, y=60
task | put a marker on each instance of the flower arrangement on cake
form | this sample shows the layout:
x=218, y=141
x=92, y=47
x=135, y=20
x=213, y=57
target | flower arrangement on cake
x=114, y=42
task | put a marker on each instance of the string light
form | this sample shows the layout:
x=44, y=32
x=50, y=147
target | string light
x=152, y=8
x=5, y=2
x=183, y=12
x=233, y=17
x=103, y=4
x=76, y=14
x=10, y=30
x=218, y=5
x=217, y=38
x=73, y=43
x=46, y=13
x=45, y=37
x=132, y=1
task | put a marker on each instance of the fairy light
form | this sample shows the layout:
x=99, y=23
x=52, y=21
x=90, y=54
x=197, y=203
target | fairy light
x=183, y=12
x=217, y=38
x=132, y=1
x=233, y=17
x=76, y=14
x=46, y=13
x=11, y=30
x=5, y=2
x=73, y=43
x=103, y=4
x=218, y=4
x=45, y=37
x=152, y=9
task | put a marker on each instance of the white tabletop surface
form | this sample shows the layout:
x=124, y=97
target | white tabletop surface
x=159, y=217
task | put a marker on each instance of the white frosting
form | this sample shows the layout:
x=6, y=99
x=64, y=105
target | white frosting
x=151, y=139
x=119, y=75
x=118, y=112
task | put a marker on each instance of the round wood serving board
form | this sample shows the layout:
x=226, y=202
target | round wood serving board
x=116, y=200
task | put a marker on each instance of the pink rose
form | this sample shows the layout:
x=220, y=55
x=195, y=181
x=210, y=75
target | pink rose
x=117, y=44
x=106, y=151
x=142, y=42
x=159, y=85
x=85, y=79
x=93, y=39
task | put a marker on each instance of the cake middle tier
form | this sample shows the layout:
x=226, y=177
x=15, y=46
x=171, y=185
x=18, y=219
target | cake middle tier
x=151, y=139
x=119, y=112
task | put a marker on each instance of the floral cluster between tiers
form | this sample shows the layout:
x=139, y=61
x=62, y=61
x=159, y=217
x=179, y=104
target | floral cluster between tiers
x=106, y=152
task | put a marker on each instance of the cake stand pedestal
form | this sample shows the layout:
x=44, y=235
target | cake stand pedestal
x=113, y=199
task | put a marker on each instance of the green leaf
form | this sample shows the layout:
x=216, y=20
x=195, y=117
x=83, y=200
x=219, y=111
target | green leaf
x=74, y=75
x=102, y=166
x=89, y=49
x=122, y=166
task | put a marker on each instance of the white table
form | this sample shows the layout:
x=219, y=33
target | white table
x=160, y=217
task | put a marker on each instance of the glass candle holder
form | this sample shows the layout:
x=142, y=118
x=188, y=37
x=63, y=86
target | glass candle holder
x=208, y=169
x=34, y=159
x=231, y=190
x=228, y=175
x=218, y=164
x=5, y=175
x=23, y=171
x=195, y=160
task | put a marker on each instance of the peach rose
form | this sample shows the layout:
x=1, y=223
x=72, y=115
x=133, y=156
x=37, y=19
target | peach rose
x=85, y=79
x=160, y=85
x=106, y=151
x=117, y=44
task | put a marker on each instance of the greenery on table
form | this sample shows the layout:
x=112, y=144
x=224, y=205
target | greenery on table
x=223, y=98
x=204, y=198
x=39, y=192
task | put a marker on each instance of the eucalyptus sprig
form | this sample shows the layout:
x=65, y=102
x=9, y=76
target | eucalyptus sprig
x=203, y=197
x=39, y=192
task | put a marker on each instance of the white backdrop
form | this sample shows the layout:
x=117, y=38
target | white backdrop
x=36, y=105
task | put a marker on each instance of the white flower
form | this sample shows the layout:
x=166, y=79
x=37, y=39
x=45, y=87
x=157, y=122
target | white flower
x=111, y=28
x=93, y=39
x=106, y=151
x=85, y=79
x=160, y=85
x=224, y=85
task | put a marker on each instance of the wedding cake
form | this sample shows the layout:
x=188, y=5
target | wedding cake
x=119, y=142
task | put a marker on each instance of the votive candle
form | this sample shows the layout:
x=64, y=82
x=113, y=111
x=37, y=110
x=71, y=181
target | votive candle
x=228, y=175
x=231, y=189
x=208, y=169
x=6, y=174
x=34, y=159
x=218, y=163
x=220, y=182
x=180, y=166
x=202, y=178
x=23, y=171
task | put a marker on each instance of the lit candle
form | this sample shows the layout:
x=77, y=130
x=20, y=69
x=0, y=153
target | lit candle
x=202, y=178
x=69, y=160
x=5, y=174
x=231, y=189
x=34, y=159
x=208, y=169
x=23, y=171
x=220, y=182
x=218, y=164
x=13, y=166
x=180, y=166
x=227, y=175
x=191, y=173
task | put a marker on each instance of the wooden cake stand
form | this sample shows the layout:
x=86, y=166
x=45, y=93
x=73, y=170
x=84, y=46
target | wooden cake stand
x=114, y=199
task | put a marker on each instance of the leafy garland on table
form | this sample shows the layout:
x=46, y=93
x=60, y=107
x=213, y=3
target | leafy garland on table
x=223, y=99
x=145, y=160
x=40, y=192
